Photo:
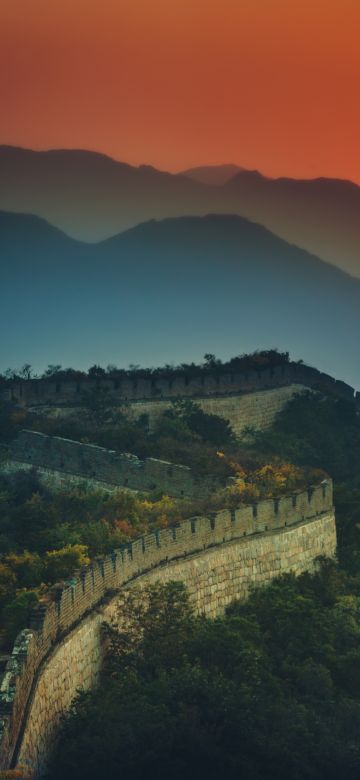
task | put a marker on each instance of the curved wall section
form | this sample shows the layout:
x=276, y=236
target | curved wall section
x=34, y=392
x=218, y=557
x=119, y=469
x=256, y=410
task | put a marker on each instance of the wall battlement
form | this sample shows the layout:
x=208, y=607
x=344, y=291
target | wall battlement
x=119, y=469
x=218, y=557
x=35, y=392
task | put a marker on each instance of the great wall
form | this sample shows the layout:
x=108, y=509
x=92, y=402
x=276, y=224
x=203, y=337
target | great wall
x=61, y=459
x=247, y=399
x=219, y=557
x=201, y=384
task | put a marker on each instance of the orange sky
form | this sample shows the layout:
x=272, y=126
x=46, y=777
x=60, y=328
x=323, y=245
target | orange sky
x=269, y=84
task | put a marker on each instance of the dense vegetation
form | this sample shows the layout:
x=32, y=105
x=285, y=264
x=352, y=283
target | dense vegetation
x=45, y=536
x=318, y=431
x=258, y=361
x=183, y=434
x=271, y=691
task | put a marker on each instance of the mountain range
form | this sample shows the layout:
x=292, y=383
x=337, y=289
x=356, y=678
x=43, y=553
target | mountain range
x=212, y=174
x=171, y=291
x=92, y=197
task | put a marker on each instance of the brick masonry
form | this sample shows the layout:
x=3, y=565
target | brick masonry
x=34, y=392
x=255, y=410
x=100, y=465
x=57, y=457
x=219, y=558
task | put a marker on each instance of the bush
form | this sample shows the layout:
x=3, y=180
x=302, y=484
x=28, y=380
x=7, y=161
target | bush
x=27, y=567
x=17, y=613
x=265, y=692
x=61, y=564
x=7, y=582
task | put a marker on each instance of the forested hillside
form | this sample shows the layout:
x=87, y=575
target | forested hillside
x=46, y=535
x=270, y=691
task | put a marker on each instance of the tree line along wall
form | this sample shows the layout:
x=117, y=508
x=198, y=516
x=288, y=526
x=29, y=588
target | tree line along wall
x=101, y=465
x=245, y=410
x=70, y=391
x=219, y=557
x=256, y=409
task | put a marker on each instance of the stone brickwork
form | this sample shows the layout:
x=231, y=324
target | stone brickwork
x=214, y=580
x=121, y=470
x=74, y=665
x=60, y=480
x=46, y=391
x=219, y=557
x=255, y=410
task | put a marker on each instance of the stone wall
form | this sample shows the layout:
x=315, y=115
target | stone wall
x=242, y=410
x=219, y=558
x=201, y=384
x=60, y=480
x=256, y=410
x=108, y=466
x=61, y=461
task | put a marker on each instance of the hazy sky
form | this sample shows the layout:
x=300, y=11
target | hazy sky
x=268, y=84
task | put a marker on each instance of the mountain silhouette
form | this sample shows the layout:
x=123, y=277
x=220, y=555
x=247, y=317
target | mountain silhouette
x=212, y=174
x=91, y=197
x=171, y=291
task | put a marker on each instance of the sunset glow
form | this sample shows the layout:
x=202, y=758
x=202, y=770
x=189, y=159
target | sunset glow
x=267, y=84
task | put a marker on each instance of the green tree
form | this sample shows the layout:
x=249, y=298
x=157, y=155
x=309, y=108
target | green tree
x=61, y=564
x=16, y=614
x=8, y=582
x=27, y=567
x=258, y=693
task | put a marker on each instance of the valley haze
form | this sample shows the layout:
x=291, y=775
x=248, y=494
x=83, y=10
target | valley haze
x=91, y=196
x=170, y=291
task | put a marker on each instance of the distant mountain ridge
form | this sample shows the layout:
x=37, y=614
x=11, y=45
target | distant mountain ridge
x=169, y=291
x=212, y=174
x=91, y=196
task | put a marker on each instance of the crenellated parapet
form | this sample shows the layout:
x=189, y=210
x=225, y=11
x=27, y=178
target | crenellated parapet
x=218, y=556
x=102, y=466
x=33, y=392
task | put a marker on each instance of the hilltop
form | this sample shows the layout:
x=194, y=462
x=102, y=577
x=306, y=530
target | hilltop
x=145, y=293
x=212, y=174
x=91, y=197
